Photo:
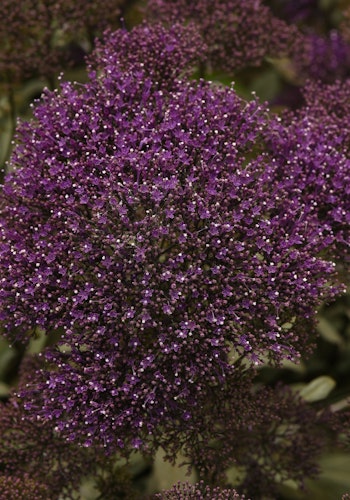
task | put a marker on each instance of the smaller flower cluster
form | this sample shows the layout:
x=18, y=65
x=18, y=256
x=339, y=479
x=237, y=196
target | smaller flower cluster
x=329, y=106
x=36, y=33
x=30, y=450
x=324, y=54
x=150, y=50
x=186, y=491
x=23, y=487
x=325, y=57
x=238, y=34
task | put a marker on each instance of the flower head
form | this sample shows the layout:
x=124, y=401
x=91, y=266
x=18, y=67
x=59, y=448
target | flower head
x=150, y=50
x=143, y=222
x=325, y=57
x=238, y=34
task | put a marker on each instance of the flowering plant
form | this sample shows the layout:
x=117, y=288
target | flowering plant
x=175, y=238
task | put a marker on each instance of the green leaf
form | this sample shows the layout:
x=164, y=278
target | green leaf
x=318, y=389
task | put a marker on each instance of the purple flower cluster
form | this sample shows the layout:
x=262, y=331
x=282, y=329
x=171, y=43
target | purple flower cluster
x=151, y=50
x=23, y=487
x=186, y=491
x=329, y=106
x=324, y=53
x=238, y=34
x=35, y=33
x=325, y=58
x=154, y=222
x=36, y=463
x=312, y=149
x=31, y=453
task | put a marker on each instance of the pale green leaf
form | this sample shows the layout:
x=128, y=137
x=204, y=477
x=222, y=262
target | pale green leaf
x=318, y=389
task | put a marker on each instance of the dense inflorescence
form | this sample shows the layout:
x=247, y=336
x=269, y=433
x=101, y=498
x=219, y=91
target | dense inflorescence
x=151, y=50
x=238, y=34
x=23, y=487
x=30, y=450
x=329, y=106
x=35, y=36
x=32, y=453
x=325, y=57
x=144, y=223
x=311, y=147
x=186, y=491
x=324, y=53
